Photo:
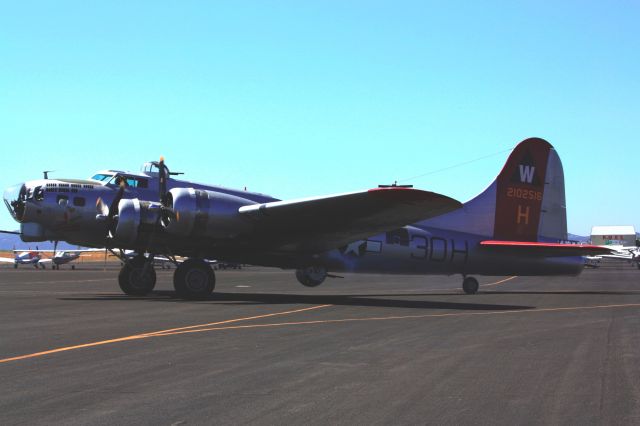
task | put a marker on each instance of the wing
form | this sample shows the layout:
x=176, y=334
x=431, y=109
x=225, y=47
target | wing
x=324, y=223
x=7, y=260
x=45, y=261
x=528, y=248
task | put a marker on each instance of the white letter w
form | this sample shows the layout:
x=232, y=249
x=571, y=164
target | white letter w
x=526, y=173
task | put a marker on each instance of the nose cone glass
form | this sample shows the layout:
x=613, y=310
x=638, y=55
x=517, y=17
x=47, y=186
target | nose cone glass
x=15, y=198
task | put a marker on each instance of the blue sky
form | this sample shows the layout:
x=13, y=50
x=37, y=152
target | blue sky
x=308, y=98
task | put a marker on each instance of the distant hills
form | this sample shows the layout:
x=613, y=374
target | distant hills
x=10, y=241
x=578, y=238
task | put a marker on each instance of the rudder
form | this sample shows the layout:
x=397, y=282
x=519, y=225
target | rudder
x=526, y=202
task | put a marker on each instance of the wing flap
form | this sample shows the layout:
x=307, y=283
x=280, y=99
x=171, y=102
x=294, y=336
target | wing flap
x=531, y=248
x=324, y=223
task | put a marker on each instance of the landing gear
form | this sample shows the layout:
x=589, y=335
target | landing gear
x=470, y=285
x=194, y=279
x=137, y=277
x=312, y=276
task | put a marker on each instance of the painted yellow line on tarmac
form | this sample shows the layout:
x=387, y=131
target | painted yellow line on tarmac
x=499, y=282
x=171, y=330
x=404, y=317
x=152, y=334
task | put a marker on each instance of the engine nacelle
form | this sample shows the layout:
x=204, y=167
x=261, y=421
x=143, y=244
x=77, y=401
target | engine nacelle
x=134, y=216
x=205, y=213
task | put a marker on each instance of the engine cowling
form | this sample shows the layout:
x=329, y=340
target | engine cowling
x=205, y=213
x=133, y=217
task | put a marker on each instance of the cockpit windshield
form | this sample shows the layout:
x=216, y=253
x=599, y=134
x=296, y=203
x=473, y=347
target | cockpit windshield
x=101, y=177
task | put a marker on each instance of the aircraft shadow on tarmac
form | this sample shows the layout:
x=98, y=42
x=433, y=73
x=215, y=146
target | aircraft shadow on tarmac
x=289, y=299
x=570, y=292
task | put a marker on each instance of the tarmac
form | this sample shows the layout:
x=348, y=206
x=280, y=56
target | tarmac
x=366, y=349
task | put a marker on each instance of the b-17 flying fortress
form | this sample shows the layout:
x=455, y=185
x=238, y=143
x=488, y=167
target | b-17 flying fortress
x=517, y=226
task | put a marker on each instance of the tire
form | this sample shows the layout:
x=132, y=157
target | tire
x=131, y=280
x=470, y=285
x=194, y=279
x=311, y=276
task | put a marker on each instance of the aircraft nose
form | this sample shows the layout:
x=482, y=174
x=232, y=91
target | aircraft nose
x=15, y=198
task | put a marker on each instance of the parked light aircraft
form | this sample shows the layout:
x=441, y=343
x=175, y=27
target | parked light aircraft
x=28, y=257
x=36, y=258
x=630, y=254
x=515, y=227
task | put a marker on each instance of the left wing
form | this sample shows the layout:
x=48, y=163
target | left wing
x=531, y=248
x=325, y=223
x=7, y=260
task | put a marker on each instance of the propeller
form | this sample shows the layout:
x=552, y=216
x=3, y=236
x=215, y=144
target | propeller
x=162, y=181
x=166, y=211
x=109, y=214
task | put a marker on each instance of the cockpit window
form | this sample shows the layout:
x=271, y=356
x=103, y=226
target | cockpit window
x=130, y=181
x=102, y=177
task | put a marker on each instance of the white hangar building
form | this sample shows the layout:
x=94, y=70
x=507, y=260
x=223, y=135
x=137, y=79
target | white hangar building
x=613, y=235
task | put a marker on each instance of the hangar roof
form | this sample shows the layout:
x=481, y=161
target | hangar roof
x=613, y=230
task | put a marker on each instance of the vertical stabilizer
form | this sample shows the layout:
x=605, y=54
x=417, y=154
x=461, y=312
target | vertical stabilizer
x=526, y=202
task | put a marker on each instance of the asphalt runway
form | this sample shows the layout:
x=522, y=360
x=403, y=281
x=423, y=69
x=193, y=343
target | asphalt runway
x=366, y=349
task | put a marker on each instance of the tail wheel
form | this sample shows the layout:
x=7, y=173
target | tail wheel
x=194, y=279
x=136, y=280
x=311, y=276
x=470, y=285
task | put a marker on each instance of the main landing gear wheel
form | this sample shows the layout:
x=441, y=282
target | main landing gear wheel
x=470, y=285
x=194, y=279
x=136, y=278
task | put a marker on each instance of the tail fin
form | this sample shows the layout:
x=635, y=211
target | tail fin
x=526, y=202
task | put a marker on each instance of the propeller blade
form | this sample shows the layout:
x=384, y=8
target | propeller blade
x=166, y=211
x=162, y=182
x=113, y=208
x=101, y=207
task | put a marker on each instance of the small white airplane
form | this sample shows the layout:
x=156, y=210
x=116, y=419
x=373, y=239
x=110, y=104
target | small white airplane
x=26, y=258
x=630, y=254
x=36, y=258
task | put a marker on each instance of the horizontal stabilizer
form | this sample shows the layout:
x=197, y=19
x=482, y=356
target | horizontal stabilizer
x=528, y=248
